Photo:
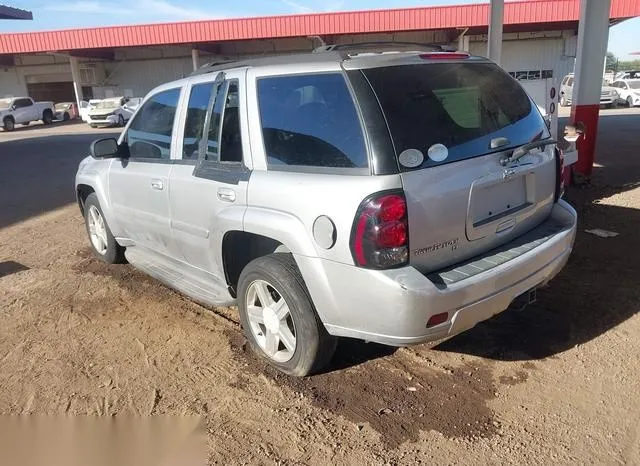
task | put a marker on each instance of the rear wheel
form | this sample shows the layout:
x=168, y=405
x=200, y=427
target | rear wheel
x=629, y=101
x=66, y=117
x=278, y=316
x=120, y=120
x=103, y=243
x=9, y=124
x=47, y=117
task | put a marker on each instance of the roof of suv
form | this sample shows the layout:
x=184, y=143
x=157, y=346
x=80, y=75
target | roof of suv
x=359, y=56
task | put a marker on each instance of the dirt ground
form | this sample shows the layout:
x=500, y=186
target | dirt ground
x=556, y=383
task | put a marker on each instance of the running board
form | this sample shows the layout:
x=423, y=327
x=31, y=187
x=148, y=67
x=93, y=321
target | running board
x=200, y=286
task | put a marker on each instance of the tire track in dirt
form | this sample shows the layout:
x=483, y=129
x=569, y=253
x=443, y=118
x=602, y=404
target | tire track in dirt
x=393, y=391
x=396, y=395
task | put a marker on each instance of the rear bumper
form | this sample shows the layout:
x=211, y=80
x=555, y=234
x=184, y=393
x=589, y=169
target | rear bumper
x=392, y=307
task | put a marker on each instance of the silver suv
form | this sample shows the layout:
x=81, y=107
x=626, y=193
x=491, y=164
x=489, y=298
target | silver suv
x=396, y=196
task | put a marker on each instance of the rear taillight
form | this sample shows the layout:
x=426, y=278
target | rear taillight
x=380, y=234
x=559, y=174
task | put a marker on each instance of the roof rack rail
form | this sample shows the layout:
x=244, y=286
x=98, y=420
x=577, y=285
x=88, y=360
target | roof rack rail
x=212, y=66
x=388, y=45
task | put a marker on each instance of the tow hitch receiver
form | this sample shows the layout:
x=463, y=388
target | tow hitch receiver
x=522, y=301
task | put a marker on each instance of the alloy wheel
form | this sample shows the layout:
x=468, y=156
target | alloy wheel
x=270, y=321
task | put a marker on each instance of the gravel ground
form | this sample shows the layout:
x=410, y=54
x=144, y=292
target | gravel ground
x=557, y=383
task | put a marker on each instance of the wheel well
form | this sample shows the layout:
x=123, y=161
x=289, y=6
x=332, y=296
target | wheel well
x=83, y=193
x=239, y=248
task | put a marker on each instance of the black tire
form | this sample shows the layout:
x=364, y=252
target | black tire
x=9, y=124
x=66, y=117
x=114, y=253
x=314, y=346
x=47, y=117
x=120, y=121
x=630, y=102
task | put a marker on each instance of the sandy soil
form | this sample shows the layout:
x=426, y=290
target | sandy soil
x=557, y=383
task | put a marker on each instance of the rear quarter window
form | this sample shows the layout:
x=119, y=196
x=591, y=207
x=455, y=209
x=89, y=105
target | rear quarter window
x=310, y=121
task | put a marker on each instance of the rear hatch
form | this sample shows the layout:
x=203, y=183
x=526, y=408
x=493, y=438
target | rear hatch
x=453, y=124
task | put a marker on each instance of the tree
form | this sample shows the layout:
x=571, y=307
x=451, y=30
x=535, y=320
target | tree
x=612, y=62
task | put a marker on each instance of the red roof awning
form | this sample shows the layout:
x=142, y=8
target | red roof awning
x=408, y=19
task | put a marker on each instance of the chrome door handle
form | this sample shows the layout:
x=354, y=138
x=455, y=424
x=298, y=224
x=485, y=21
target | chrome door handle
x=226, y=194
x=157, y=184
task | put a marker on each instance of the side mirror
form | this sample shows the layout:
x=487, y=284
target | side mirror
x=573, y=132
x=104, y=148
x=13, y=107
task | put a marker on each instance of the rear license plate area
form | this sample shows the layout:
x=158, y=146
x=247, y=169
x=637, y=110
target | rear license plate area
x=496, y=201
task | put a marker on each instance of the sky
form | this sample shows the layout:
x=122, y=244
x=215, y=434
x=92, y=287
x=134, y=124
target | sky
x=63, y=14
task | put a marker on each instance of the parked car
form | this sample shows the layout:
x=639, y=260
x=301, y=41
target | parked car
x=629, y=74
x=628, y=91
x=608, y=95
x=133, y=103
x=85, y=108
x=395, y=198
x=110, y=112
x=23, y=110
x=66, y=111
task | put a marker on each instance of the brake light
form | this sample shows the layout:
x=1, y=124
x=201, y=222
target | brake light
x=559, y=174
x=380, y=234
x=445, y=55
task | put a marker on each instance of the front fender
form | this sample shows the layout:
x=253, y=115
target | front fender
x=95, y=173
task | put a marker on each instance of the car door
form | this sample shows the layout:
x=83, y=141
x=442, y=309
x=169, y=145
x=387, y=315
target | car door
x=139, y=182
x=23, y=110
x=569, y=89
x=209, y=181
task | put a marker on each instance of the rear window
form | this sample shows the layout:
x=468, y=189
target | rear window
x=310, y=120
x=461, y=106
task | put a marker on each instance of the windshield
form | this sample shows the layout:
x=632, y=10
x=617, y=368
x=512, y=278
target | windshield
x=4, y=103
x=634, y=84
x=461, y=106
x=63, y=106
x=107, y=104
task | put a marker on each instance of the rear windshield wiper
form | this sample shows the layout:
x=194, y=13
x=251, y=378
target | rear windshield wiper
x=524, y=150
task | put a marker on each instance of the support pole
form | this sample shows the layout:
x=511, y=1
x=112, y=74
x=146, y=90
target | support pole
x=593, y=35
x=75, y=75
x=195, y=58
x=496, y=20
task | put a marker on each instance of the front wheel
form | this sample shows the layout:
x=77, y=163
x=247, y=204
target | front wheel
x=279, y=319
x=103, y=243
x=629, y=101
x=9, y=124
x=120, y=120
x=66, y=117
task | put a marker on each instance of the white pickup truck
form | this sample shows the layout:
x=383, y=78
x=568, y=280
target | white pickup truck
x=23, y=110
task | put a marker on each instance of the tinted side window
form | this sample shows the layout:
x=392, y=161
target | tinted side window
x=21, y=103
x=310, y=120
x=570, y=82
x=230, y=139
x=196, y=113
x=213, y=133
x=149, y=135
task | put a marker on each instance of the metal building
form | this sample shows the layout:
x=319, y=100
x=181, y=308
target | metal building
x=539, y=46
